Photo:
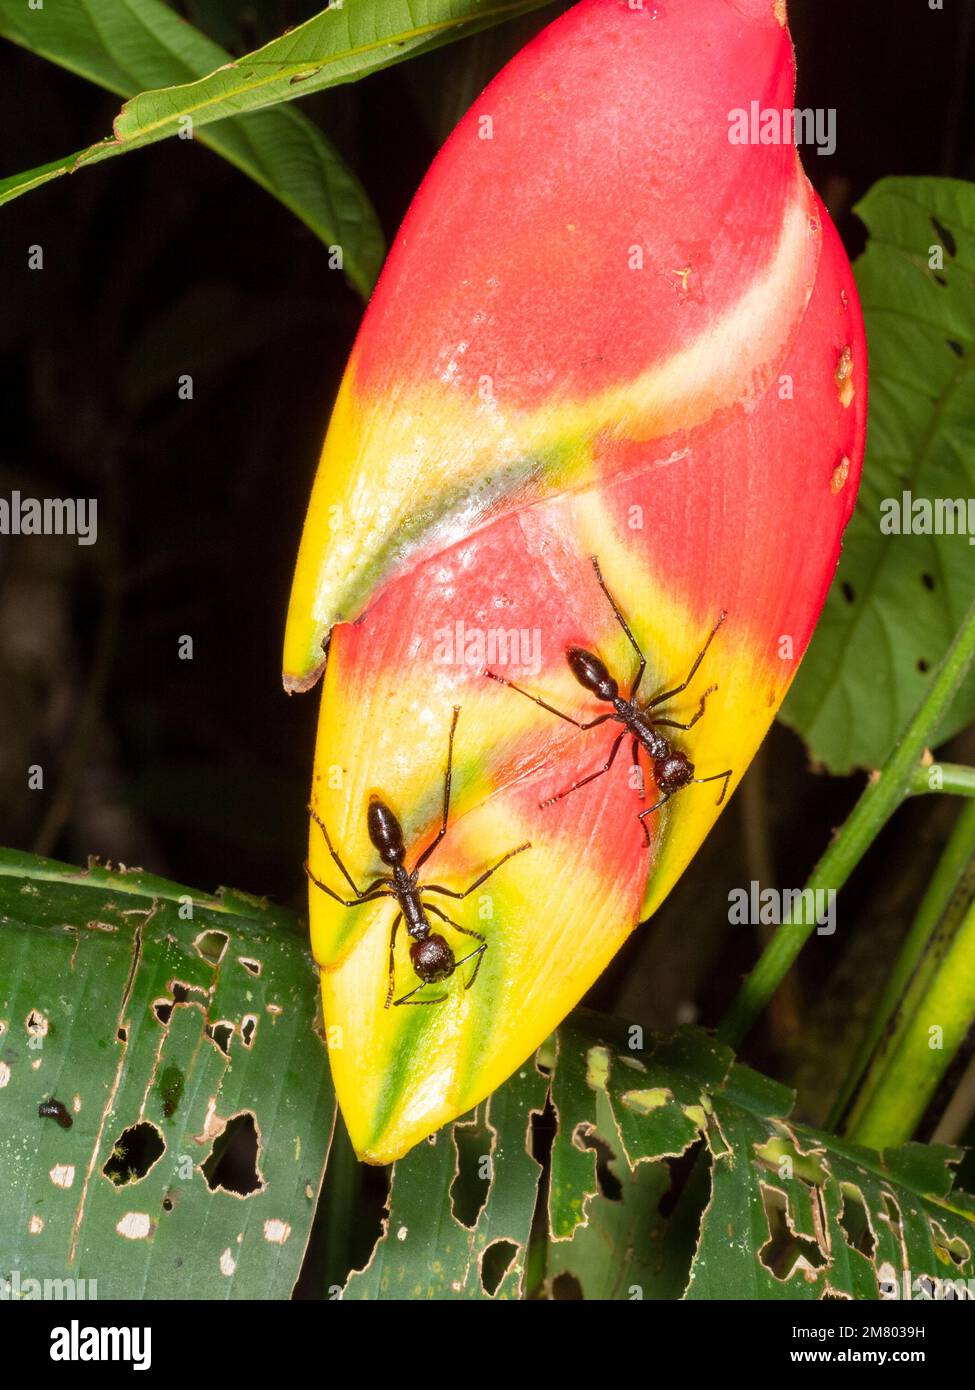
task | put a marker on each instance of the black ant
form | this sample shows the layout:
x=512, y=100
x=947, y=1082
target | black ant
x=432, y=958
x=672, y=769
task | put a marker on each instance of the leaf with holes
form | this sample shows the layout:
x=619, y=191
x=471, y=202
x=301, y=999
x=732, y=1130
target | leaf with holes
x=461, y=1206
x=673, y=1171
x=792, y=1213
x=165, y=1105
x=907, y=572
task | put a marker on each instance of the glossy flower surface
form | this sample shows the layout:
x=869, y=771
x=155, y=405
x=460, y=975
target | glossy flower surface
x=605, y=329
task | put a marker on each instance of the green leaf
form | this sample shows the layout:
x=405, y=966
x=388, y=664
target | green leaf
x=675, y=1171
x=144, y=44
x=899, y=599
x=427, y=1249
x=341, y=44
x=178, y=1035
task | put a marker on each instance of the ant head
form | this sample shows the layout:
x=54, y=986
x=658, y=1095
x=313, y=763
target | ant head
x=673, y=771
x=432, y=958
x=590, y=672
x=385, y=832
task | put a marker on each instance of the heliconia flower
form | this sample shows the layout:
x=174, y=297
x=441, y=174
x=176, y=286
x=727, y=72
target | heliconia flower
x=605, y=329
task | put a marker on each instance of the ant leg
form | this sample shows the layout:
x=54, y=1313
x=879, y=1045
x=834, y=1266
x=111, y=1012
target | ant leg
x=623, y=624
x=675, y=724
x=456, y=925
x=452, y=893
x=367, y=897
x=592, y=776
x=334, y=853
x=408, y=998
x=392, y=969
x=479, y=952
x=446, y=795
x=642, y=817
x=667, y=694
x=591, y=724
x=716, y=778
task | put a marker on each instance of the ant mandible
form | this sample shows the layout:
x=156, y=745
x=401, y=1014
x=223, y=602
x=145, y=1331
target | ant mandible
x=672, y=769
x=430, y=955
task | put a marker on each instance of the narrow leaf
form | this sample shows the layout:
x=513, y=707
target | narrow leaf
x=144, y=44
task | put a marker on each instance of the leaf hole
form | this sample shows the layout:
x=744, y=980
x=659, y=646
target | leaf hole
x=134, y=1153
x=585, y=1137
x=211, y=945
x=951, y=1248
x=248, y=1029
x=945, y=237
x=786, y=1249
x=923, y=666
x=847, y=592
x=928, y=581
x=254, y=966
x=680, y=1172
x=220, y=1035
x=955, y=347
x=495, y=1263
x=470, y=1188
x=566, y=1286
x=181, y=993
x=163, y=1009
x=232, y=1165
x=856, y=1222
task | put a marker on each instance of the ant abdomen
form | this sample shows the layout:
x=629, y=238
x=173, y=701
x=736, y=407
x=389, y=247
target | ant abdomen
x=432, y=958
x=673, y=771
x=385, y=832
x=590, y=672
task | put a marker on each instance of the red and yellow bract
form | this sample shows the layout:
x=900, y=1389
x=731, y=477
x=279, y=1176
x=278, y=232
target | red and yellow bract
x=604, y=329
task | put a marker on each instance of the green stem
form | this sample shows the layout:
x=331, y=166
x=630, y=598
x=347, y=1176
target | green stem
x=884, y=793
x=934, y=1019
x=957, y=856
x=944, y=777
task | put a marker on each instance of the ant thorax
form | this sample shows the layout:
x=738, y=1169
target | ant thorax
x=656, y=744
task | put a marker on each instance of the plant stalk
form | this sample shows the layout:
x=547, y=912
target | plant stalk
x=884, y=793
x=957, y=857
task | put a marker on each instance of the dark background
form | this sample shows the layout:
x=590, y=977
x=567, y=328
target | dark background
x=168, y=261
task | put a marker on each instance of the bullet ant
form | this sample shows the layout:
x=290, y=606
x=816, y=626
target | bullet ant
x=672, y=769
x=430, y=955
